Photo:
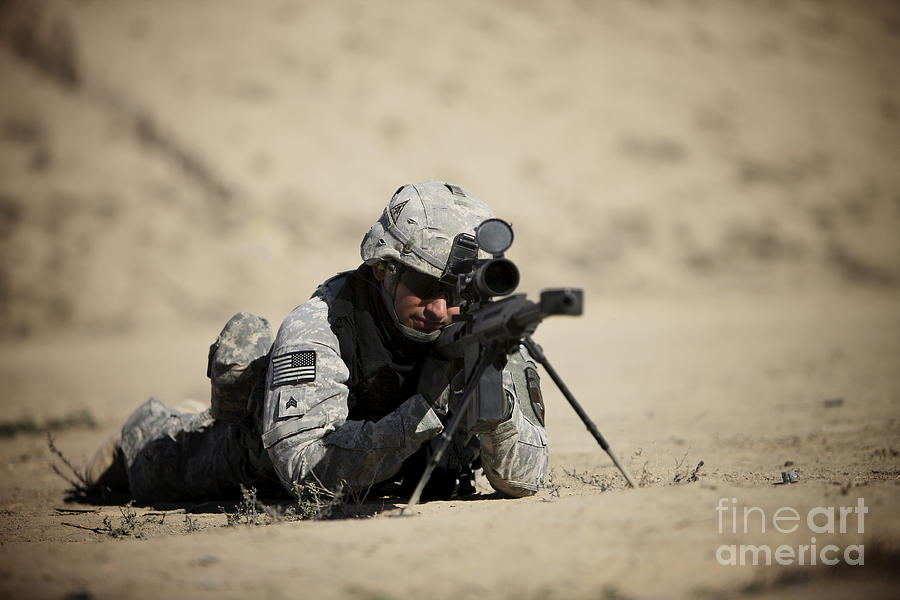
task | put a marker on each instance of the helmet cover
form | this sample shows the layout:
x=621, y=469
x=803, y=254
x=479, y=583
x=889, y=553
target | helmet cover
x=419, y=224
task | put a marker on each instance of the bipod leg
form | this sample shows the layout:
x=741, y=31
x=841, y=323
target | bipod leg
x=539, y=356
x=484, y=360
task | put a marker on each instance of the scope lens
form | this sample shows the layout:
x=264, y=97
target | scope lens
x=498, y=277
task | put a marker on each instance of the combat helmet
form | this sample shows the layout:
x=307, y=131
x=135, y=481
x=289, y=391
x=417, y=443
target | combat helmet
x=418, y=225
x=416, y=231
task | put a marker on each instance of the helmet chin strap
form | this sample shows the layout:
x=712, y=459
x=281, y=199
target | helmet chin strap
x=388, y=294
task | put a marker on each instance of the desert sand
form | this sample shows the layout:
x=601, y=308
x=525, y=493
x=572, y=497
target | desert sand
x=719, y=177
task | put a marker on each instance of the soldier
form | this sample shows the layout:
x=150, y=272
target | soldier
x=347, y=395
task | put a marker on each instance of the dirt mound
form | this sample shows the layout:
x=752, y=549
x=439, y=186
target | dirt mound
x=187, y=162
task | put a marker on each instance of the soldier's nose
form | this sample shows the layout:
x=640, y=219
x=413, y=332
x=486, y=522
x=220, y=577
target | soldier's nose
x=436, y=309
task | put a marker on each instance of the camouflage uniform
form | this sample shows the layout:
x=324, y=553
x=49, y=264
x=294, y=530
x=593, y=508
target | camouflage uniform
x=306, y=430
x=298, y=420
x=171, y=455
x=180, y=454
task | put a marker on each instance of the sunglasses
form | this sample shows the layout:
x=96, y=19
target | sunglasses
x=427, y=287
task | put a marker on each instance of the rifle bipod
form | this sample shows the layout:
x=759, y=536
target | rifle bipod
x=538, y=354
x=486, y=357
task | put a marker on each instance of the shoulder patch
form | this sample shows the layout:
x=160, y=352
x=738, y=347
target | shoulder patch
x=294, y=367
x=533, y=381
x=289, y=405
x=397, y=209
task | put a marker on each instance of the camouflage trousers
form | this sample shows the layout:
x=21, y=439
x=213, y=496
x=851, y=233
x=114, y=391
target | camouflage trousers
x=172, y=455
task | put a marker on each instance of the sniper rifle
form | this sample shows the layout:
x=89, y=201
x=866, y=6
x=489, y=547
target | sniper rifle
x=487, y=330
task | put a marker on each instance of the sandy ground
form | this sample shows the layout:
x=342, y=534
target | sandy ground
x=746, y=391
x=719, y=176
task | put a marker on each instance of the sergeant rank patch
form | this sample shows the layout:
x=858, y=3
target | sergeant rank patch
x=294, y=367
x=288, y=406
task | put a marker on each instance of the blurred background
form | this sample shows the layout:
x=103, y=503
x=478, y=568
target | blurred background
x=721, y=176
x=175, y=162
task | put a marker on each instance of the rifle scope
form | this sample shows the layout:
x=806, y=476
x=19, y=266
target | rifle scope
x=494, y=277
x=480, y=280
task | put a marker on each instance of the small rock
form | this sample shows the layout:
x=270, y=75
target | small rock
x=208, y=559
x=792, y=476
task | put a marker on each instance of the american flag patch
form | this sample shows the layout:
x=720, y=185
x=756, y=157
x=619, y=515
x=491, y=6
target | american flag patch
x=294, y=367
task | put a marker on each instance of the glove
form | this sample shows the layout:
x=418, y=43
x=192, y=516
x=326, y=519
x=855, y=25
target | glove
x=434, y=383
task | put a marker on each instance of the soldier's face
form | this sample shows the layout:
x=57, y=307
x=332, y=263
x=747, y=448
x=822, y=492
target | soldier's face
x=421, y=307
